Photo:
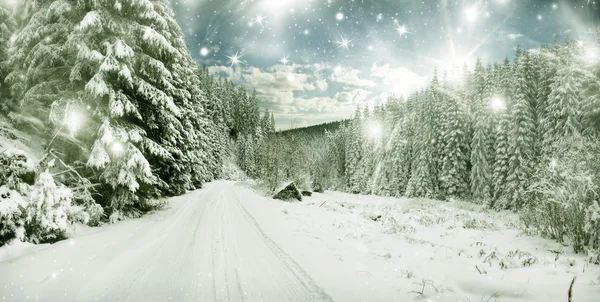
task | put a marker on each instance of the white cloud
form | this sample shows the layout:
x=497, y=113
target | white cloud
x=303, y=93
x=354, y=96
x=275, y=84
x=399, y=81
x=322, y=84
x=514, y=36
x=349, y=76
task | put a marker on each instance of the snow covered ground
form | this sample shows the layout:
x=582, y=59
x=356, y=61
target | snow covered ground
x=227, y=243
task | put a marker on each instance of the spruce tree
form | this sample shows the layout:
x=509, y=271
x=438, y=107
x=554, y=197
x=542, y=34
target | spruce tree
x=7, y=28
x=480, y=177
x=454, y=157
x=501, y=160
x=521, y=137
x=565, y=100
x=354, y=154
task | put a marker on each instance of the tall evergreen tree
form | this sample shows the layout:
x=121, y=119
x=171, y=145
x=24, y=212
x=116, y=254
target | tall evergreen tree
x=521, y=137
x=454, y=174
x=501, y=160
x=480, y=94
x=7, y=28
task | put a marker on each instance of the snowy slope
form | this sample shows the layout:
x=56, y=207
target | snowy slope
x=227, y=243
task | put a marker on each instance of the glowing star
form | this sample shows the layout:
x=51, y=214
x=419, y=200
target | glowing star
x=592, y=55
x=339, y=16
x=497, y=104
x=285, y=60
x=259, y=19
x=375, y=130
x=402, y=30
x=471, y=14
x=345, y=43
x=117, y=148
x=235, y=59
x=539, y=17
x=580, y=43
x=553, y=163
x=74, y=121
x=554, y=6
x=204, y=51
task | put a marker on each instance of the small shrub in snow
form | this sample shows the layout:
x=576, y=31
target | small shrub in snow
x=11, y=215
x=15, y=169
x=47, y=211
x=565, y=202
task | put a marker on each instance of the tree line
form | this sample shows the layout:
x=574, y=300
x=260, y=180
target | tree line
x=518, y=135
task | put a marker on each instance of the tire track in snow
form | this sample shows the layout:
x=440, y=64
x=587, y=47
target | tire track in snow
x=206, y=247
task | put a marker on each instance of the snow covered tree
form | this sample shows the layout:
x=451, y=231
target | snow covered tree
x=521, y=137
x=128, y=67
x=354, y=174
x=480, y=147
x=7, y=28
x=591, y=105
x=501, y=145
x=47, y=209
x=454, y=157
x=422, y=182
x=565, y=100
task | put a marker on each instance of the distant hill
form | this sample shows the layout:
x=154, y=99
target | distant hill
x=316, y=129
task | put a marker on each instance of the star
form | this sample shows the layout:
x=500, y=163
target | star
x=402, y=30
x=344, y=43
x=285, y=60
x=235, y=59
x=259, y=19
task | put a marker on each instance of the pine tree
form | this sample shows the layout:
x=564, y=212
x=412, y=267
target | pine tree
x=480, y=94
x=7, y=28
x=591, y=106
x=521, y=137
x=354, y=154
x=500, y=166
x=144, y=110
x=422, y=181
x=454, y=157
x=565, y=100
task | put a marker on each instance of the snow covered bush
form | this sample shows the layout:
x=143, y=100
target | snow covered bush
x=564, y=199
x=15, y=169
x=11, y=215
x=47, y=211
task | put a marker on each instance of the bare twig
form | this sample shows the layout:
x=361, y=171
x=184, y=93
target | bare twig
x=495, y=295
x=570, y=293
x=322, y=203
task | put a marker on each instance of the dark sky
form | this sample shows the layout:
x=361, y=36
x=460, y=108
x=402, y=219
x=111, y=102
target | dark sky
x=343, y=53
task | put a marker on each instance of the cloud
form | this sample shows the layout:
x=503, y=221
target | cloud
x=354, y=96
x=400, y=81
x=349, y=76
x=514, y=36
x=275, y=84
x=316, y=93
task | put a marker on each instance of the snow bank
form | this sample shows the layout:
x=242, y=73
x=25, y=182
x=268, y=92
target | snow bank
x=368, y=248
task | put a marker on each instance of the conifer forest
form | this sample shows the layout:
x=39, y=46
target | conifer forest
x=401, y=150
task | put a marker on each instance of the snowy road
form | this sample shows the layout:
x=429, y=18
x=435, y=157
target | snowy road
x=205, y=247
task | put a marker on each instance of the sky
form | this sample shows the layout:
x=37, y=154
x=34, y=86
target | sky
x=315, y=61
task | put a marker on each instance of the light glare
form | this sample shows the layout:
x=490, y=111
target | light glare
x=471, y=14
x=497, y=104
